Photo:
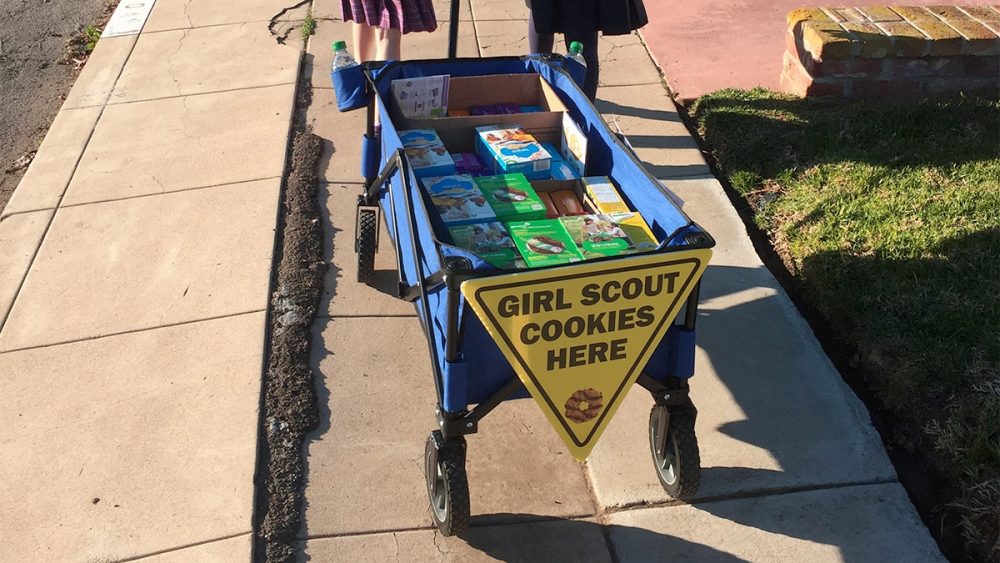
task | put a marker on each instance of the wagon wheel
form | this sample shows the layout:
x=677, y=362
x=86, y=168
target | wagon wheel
x=447, y=483
x=675, y=454
x=366, y=244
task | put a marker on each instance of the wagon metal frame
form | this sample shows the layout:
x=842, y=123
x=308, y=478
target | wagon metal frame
x=673, y=444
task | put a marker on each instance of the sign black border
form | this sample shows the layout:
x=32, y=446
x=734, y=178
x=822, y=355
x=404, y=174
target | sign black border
x=696, y=261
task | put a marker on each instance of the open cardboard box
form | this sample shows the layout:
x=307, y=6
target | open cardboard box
x=575, y=186
x=458, y=133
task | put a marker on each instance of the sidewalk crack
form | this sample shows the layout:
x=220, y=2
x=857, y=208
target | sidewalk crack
x=182, y=547
x=187, y=15
x=281, y=36
x=435, y=540
x=170, y=57
x=532, y=434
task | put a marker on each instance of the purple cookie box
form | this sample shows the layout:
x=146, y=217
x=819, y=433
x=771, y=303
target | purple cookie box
x=468, y=163
x=496, y=109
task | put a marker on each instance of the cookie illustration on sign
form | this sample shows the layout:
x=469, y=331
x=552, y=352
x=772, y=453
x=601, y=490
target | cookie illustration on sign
x=583, y=405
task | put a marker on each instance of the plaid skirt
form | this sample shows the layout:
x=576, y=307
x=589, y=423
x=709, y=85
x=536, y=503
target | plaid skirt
x=404, y=15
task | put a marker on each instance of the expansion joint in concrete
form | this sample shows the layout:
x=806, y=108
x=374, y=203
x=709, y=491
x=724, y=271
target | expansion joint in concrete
x=145, y=329
x=182, y=547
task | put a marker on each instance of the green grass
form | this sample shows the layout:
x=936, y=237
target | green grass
x=888, y=217
x=91, y=35
x=308, y=27
x=81, y=44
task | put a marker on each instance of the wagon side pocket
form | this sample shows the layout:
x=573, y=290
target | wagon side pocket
x=349, y=86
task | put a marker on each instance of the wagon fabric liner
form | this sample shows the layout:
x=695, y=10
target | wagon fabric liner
x=481, y=369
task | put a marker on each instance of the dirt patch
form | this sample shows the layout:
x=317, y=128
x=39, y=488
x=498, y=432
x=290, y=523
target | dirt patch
x=289, y=399
x=36, y=75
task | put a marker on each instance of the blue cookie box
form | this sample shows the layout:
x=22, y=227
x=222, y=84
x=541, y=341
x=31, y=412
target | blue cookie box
x=534, y=170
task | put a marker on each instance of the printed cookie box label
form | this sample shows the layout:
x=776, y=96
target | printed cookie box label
x=573, y=145
x=422, y=97
x=458, y=201
x=426, y=153
x=598, y=236
x=489, y=241
x=511, y=197
x=604, y=195
x=513, y=149
x=636, y=230
x=544, y=242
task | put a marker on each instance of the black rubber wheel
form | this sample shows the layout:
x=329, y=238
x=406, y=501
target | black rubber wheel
x=367, y=231
x=678, y=463
x=447, y=483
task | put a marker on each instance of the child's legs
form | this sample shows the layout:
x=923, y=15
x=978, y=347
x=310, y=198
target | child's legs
x=539, y=42
x=389, y=44
x=364, y=42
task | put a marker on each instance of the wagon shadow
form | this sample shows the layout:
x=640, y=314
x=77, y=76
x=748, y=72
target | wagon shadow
x=795, y=406
x=526, y=538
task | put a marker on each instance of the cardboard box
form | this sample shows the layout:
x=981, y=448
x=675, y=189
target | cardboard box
x=458, y=201
x=604, y=195
x=550, y=208
x=489, y=241
x=511, y=197
x=426, y=153
x=525, y=89
x=637, y=230
x=509, y=149
x=567, y=203
x=544, y=242
x=598, y=236
x=553, y=186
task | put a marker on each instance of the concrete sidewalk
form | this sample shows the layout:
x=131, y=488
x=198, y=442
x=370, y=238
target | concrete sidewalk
x=134, y=281
x=793, y=469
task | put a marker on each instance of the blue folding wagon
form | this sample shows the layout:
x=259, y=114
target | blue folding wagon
x=475, y=366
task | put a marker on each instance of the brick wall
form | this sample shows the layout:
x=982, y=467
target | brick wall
x=892, y=51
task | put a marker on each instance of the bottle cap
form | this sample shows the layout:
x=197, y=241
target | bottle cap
x=576, y=47
x=338, y=45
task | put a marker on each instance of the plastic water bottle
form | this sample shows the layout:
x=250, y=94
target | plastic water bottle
x=341, y=58
x=576, y=53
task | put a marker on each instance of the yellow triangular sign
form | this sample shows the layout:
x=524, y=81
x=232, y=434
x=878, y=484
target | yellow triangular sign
x=579, y=336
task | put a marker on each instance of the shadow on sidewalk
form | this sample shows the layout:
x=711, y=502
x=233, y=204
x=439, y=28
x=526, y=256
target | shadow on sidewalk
x=525, y=538
x=793, y=406
x=607, y=106
x=649, y=136
x=799, y=415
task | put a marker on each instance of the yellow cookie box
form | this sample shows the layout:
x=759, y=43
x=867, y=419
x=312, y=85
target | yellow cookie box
x=604, y=195
x=637, y=230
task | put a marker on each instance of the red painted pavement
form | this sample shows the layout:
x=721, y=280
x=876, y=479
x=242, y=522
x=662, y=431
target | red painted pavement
x=705, y=45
